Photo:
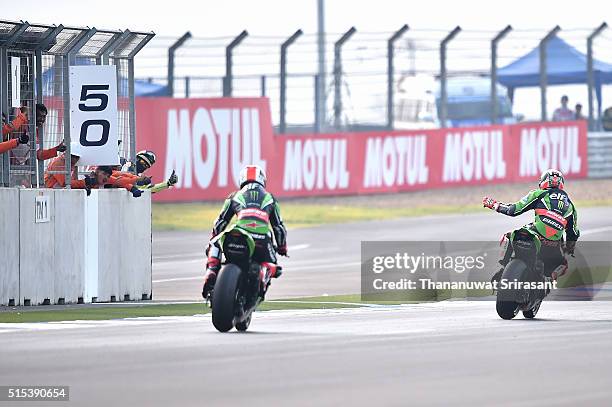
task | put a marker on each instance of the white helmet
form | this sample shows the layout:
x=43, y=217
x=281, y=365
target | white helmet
x=252, y=173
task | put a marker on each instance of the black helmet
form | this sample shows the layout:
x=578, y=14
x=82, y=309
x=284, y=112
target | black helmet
x=147, y=157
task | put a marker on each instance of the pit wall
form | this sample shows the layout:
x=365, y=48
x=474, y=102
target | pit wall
x=208, y=141
x=62, y=246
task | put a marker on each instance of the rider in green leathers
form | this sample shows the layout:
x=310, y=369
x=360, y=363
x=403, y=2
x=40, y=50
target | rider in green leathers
x=554, y=214
x=258, y=215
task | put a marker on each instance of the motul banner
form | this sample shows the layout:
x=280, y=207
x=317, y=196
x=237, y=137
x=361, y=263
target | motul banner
x=207, y=141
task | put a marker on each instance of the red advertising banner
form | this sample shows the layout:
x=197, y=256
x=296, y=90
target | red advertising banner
x=208, y=141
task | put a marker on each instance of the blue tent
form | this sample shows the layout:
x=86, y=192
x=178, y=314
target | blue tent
x=564, y=65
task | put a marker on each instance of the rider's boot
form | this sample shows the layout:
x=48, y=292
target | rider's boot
x=213, y=265
x=506, y=255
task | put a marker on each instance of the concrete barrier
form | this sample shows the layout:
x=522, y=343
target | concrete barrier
x=109, y=244
x=9, y=247
x=69, y=283
x=37, y=248
x=59, y=246
x=136, y=245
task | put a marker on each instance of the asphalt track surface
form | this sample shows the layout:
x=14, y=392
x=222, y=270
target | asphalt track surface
x=448, y=353
x=326, y=259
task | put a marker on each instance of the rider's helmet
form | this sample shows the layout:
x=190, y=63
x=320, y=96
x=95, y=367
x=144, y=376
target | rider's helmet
x=551, y=179
x=145, y=160
x=252, y=173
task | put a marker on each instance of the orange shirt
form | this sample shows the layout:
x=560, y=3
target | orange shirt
x=55, y=176
x=8, y=145
x=122, y=179
x=19, y=121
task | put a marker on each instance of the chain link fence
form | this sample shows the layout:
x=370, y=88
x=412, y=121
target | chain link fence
x=40, y=56
x=407, y=78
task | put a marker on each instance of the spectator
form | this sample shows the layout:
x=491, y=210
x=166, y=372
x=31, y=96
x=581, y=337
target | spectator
x=8, y=128
x=55, y=174
x=11, y=144
x=21, y=156
x=41, y=118
x=578, y=115
x=144, y=160
x=563, y=113
x=16, y=124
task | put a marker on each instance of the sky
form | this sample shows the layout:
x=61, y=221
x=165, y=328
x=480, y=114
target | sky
x=207, y=18
x=270, y=17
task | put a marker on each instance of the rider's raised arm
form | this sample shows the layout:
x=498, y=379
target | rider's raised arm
x=571, y=229
x=276, y=221
x=526, y=203
x=224, y=218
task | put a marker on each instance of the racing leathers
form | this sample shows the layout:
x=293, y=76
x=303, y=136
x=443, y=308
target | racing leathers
x=258, y=214
x=554, y=214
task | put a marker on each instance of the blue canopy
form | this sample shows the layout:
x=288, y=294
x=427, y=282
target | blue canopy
x=564, y=65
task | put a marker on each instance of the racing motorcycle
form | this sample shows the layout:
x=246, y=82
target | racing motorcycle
x=242, y=282
x=525, y=266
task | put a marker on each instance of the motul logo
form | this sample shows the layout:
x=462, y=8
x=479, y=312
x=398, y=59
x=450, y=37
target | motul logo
x=552, y=147
x=473, y=155
x=316, y=164
x=395, y=161
x=212, y=142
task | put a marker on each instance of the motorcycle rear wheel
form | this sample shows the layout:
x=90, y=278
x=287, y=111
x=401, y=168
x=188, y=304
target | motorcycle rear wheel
x=224, y=297
x=507, y=309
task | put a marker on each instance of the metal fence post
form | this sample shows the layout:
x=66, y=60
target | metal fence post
x=4, y=107
x=317, y=100
x=187, y=86
x=443, y=75
x=494, y=42
x=171, y=53
x=283, y=80
x=338, y=75
x=591, y=74
x=132, y=96
x=69, y=59
x=543, y=71
x=227, y=83
x=390, y=72
x=39, y=93
x=13, y=35
x=262, y=85
x=102, y=56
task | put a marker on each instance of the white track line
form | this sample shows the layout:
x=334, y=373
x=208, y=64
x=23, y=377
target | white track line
x=289, y=269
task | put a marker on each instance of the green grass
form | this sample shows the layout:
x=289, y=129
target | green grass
x=200, y=216
x=106, y=311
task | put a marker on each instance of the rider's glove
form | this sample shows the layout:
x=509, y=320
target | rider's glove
x=570, y=246
x=173, y=179
x=90, y=181
x=135, y=192
x=61, y=147
x=282, y=250
x=490, y=203
x=144, y=181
